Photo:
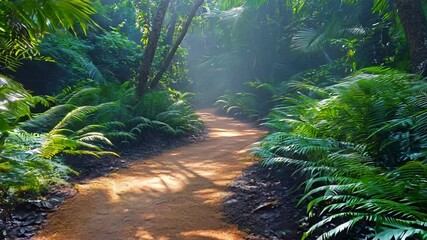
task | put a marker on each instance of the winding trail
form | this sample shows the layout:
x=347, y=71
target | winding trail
x=175, y=195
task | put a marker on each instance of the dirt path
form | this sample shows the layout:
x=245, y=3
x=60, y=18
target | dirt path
x=176, y=195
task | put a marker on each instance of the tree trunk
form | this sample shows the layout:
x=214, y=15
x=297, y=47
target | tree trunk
x=171, y=54
x=150, y=49
x=171, y=26
x=414, y=22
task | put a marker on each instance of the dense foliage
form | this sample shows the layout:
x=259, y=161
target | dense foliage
x=24, y=23
x=340, y=84
x=251, y=104
x=91, y=74
x=361, y=144
x=355, y=133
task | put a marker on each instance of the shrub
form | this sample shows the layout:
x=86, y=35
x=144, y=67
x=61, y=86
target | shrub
x=362, y=148
x=253, y=105
x=116, y=111
x=29, y=162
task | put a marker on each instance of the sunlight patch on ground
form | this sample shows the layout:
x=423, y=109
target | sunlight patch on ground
x=175, y=195
x=143, y=234
x=220, y=132
x=116, y=191
x=209, y=234
x=209, y=196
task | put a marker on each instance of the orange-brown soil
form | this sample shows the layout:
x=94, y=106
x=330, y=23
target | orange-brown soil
x=175, y=195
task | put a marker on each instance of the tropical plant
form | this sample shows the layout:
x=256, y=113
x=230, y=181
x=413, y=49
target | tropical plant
x=180, y=119
x=302, y=36
x=70, y=63
x=239, y=105
x=361, y=143
x=15, y=104
x=29, y=162
x=102, y=56
x=116, y=111
x=24, y=23
x=115, y=55
x=121, y=16
x=99, y=106
x=253, y=104
x=23, y=169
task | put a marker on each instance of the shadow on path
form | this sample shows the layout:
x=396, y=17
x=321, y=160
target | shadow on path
x=175, y=195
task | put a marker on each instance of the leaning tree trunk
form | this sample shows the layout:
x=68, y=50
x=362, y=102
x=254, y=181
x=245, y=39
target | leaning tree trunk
x=172, y=25
x=173, y=50
x=414, y=22
x=150, y=49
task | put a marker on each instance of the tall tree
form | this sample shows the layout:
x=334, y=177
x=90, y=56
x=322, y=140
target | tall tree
x=143, y=78
x=414, y=22
x=150, y=49
x=175, y=47
x=172, y=24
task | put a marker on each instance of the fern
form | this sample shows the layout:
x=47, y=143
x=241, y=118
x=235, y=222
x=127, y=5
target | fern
x=24, y=169
x=360, y=143
x=253, y=104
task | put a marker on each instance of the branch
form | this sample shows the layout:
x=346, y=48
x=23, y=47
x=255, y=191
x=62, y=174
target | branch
x=173, y=50
x=150, y=49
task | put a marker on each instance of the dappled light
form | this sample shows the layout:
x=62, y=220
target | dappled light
x=175, y=195
x=208, y=235
x=219, y=133
x=213, y=119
